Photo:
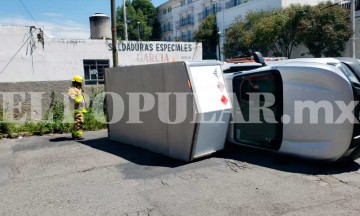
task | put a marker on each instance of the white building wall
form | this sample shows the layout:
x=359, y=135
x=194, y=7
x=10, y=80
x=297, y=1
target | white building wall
x=287, y=3
x=59, y=60
x=62, y=59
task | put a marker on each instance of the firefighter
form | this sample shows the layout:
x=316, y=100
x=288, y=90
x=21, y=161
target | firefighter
x=77, y=105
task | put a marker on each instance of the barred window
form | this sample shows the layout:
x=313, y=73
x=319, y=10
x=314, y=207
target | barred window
x=94, y=70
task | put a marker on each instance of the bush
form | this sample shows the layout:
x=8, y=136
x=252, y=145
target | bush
x=8, y=127
x=56, y=111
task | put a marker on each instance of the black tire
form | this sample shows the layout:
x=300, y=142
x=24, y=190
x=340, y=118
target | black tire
x=354, y=155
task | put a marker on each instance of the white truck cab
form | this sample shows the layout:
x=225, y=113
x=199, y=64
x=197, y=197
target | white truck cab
x=300, y=104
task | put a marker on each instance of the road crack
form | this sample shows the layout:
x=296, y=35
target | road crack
x=164, y=183
x=236, y=166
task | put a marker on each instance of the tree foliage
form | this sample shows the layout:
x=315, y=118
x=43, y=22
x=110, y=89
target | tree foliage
x=208, y=36
x=139, y=14
x=322, y=29
x=326, y=29
x=289, y=27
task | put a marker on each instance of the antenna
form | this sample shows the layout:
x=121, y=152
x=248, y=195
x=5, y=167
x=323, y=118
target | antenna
x=258, y=58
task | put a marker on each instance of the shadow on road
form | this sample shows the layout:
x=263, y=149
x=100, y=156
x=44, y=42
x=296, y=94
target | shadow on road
x=239, y=153
x=284, y=163
x=131, y=153
x=60, y=139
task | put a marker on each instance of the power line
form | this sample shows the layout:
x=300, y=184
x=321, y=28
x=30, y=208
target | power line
x=12, y=58
x=29, y=12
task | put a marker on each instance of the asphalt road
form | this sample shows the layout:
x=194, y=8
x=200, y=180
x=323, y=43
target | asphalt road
x=53, y=175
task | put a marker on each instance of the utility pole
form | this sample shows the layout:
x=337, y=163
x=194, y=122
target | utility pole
x=219, y=34
x=125, y=22
x=114, y=34
x=352, y=18
x=138, y=30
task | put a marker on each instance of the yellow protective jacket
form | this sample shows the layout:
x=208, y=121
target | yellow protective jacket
x=77, y=100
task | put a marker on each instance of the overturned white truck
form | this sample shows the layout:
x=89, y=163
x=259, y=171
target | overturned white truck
x=298, y=107
x=168, y=108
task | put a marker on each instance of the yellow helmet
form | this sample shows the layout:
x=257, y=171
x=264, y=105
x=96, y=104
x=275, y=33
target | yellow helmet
x=78, y=79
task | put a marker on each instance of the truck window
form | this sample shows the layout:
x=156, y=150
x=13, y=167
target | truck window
x=264, y=134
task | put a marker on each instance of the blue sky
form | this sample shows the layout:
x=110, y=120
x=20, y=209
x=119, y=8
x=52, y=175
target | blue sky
x=59, y=18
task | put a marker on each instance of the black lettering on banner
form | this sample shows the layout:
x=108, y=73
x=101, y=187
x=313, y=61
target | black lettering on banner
x=110, y=46
x=148, y=47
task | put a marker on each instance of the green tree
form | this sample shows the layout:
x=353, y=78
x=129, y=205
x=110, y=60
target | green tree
x=260, y=27
x=248, y=35
x=140, y=14
x=275, y=31
x=208, y=36
x=238, y=41
x=325, y=30
x=287, y=28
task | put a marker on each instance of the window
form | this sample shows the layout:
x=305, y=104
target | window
x=189, y=35
x=164, y=11
x=94, y=71
x=246, y=132
x=182, y=2
x=169, y=9
x=189, y=1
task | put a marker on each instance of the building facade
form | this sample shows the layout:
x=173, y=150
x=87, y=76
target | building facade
x=180, y=18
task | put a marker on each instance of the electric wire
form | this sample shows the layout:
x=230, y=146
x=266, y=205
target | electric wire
x=12, y=58
x=29, y=12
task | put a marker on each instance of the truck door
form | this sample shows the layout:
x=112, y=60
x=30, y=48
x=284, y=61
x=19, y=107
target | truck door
x=264, y=134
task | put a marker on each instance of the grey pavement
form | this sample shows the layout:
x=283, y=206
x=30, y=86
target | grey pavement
x=53, y=175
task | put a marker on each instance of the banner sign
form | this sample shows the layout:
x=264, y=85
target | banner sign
x=153, y=52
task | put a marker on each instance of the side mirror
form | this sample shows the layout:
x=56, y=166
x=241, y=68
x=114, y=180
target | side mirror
x=259, y=58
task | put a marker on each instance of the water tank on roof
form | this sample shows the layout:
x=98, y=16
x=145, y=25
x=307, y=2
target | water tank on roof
x=100, y=26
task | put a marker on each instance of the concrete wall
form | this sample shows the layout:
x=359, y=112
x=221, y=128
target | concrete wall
x=43, y=103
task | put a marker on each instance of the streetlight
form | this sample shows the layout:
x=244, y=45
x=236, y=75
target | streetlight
x=138, y=29
x=223, y=23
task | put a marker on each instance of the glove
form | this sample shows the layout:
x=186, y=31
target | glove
x=79, y=99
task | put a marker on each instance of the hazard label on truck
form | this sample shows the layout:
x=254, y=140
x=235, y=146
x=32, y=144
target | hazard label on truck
x=224, y=100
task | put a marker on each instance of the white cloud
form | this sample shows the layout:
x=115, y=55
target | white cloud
x=63, y=29
x=53, y=15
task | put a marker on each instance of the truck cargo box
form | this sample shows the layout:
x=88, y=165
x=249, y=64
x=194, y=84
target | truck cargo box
x=207, y=107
